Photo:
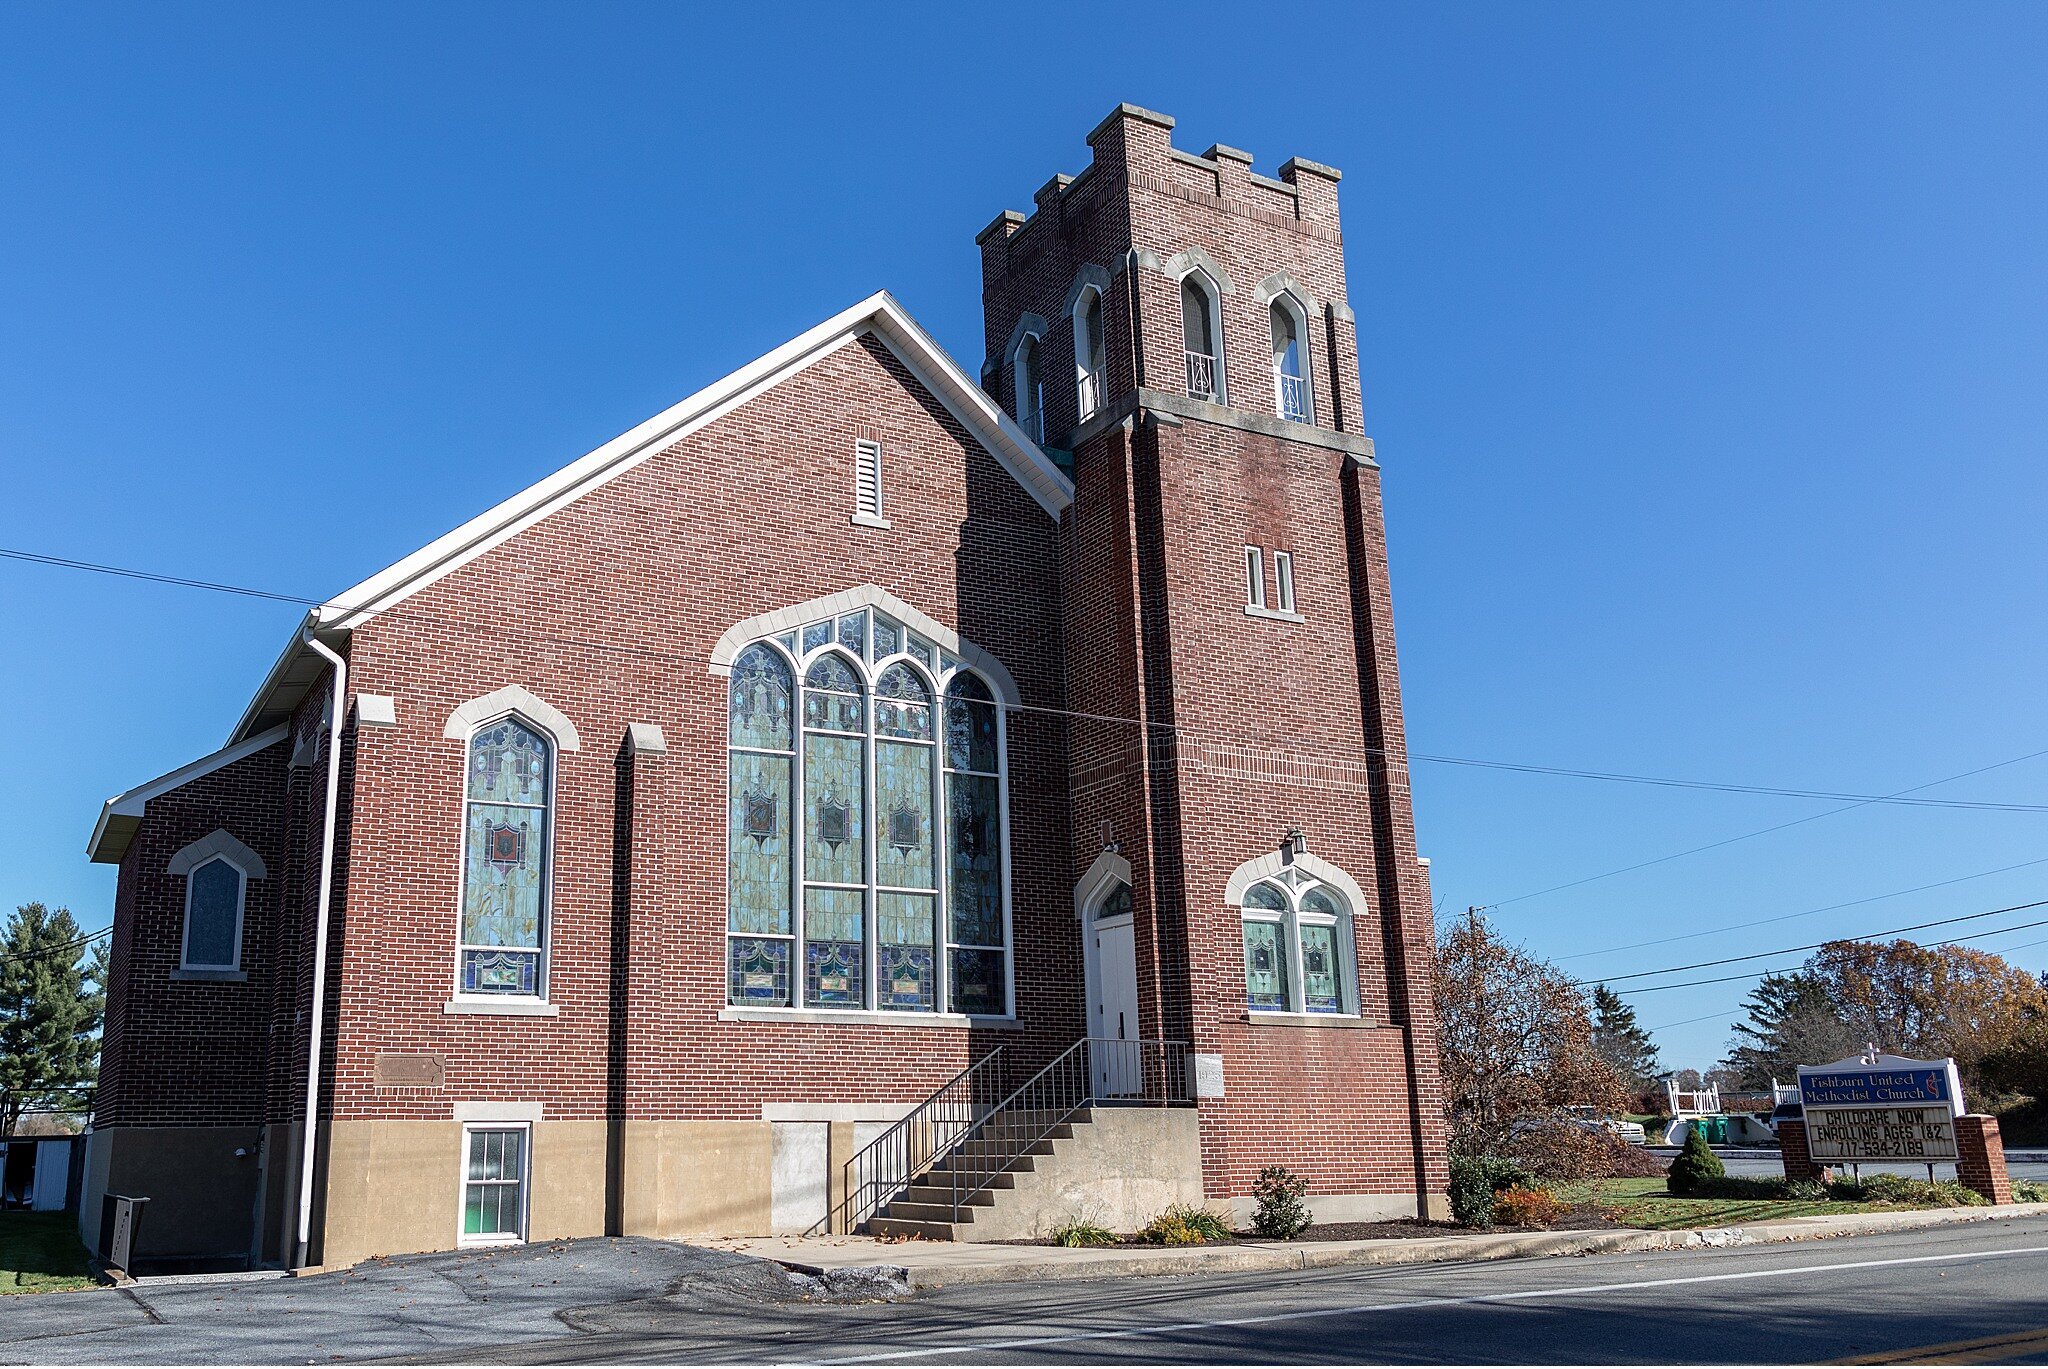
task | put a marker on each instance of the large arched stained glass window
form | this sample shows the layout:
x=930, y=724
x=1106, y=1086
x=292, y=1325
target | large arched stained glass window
x=505, y=859
x=889, y=751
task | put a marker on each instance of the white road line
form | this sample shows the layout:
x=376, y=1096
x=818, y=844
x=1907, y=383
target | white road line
x=1527, y=1295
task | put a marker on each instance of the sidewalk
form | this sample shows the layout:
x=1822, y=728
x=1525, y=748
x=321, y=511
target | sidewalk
x=939, y=1264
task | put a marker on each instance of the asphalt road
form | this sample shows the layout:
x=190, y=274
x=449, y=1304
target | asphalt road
x=638, y=1301
x=1768, y=1304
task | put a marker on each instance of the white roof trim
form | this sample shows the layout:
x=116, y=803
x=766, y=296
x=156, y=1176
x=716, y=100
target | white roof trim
x=1273, y=862
x=122, y=814
x=739, y=635
x=879, y=314
x=223, y=843
x=499, y=703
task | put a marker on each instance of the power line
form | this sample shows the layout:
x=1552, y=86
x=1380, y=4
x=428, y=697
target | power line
x=1810, y=912
x=1760, y=832
x=1788, y=950
x=1854, y=800
x=1786, y=969
x=72, y=946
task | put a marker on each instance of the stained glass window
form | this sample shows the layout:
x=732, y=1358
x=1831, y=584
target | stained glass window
x=213, y=917
x=1115, y=903
x=505, y=859
x=1297, y=939
x=893, y=895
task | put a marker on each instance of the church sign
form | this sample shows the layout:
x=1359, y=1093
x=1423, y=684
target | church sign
x=1881, y=1107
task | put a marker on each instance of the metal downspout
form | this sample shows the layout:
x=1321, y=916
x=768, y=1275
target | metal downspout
x=336, y=714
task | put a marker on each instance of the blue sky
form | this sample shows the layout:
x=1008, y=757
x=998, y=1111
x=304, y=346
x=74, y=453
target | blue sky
x=1704, y=348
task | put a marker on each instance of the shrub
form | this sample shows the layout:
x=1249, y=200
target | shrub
x=1695, y=1164
x=1186, y=1224
x=1898, y=1189
x=1281, y=1214
x=1521, y=1206
x=2028, y=1191
x=1769, y=1187
x=1474, y=1181
x=1077, y=1231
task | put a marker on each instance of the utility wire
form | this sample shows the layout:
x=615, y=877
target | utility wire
x=1854, y=800
x=1810, y=912
x=72, y=946
x=1760, y=832
x=1788, y=950
x=1787, y=969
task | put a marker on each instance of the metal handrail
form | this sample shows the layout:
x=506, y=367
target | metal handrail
x=1093, y=1070
x=893, y=1161
x=1202, y=367
x=1293, y=397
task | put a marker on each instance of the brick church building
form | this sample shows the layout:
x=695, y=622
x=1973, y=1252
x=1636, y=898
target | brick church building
x=862, y=795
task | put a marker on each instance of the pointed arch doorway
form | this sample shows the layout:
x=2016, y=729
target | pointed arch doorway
x=1112, y=968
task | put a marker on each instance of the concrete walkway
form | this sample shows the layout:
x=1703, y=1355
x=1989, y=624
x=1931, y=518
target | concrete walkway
x=939, y=1264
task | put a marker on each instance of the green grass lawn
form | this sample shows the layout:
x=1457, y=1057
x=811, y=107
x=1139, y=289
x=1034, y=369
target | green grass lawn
x=40, y=1253
x=1648, y=1204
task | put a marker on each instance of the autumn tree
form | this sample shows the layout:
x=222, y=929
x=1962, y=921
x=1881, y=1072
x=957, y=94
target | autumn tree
x=1517, y=1039
x=1929, y=1001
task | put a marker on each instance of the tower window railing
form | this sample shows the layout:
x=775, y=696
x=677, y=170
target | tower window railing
x=1089, y=386
x=1202, y=377
x=1293, y=398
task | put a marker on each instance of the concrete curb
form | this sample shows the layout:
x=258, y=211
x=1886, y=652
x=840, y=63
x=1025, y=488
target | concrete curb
x=929, y=1265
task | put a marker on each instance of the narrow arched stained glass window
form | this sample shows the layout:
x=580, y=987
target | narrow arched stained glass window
x=213, y=917
x=760, y=855
x=975, y=875
x=506, y=859
x=835, y=832
x=892, y=896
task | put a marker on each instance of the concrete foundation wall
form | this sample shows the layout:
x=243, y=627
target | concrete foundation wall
x=1121, y=1170
x=202, y=1195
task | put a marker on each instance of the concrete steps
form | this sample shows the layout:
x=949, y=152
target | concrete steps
x=926, y=1208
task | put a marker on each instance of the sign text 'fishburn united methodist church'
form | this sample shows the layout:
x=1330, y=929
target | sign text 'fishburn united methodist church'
x=1881, y=1107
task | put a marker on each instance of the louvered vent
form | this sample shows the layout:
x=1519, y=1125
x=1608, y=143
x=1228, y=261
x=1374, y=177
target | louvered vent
x=867, y=478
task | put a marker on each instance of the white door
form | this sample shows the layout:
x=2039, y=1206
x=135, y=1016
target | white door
x=1118, y=1070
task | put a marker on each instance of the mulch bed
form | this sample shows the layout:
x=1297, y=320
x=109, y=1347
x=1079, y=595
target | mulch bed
x=1585, y=1217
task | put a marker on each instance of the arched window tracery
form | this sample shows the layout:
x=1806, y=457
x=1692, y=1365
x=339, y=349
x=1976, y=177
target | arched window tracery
x=893, y=896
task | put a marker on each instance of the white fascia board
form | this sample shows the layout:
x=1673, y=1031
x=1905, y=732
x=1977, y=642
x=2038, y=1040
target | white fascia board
x=120, y=814
x=278, y=670
x=879, y=313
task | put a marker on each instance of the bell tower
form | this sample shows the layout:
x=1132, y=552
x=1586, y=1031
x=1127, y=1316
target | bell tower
x=1176, y=331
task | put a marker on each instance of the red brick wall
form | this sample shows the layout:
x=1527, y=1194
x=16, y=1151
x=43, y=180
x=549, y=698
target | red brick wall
x=610, y=610
x=1239, y=728
x=193, y=1052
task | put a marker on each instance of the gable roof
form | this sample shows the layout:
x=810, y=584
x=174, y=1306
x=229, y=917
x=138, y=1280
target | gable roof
x=122, y=814
x=879, y=315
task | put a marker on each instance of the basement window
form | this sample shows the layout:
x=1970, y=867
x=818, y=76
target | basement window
x=494, y=1183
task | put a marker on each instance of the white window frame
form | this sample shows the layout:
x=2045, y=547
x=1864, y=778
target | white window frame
x=937, y=675
x=1297, y=314
x=185, y=961
x=1293, y=887
x=1211, y=292
x=1283, y=581
x=462, y=1237
x=547, y=880
x=867, y=480
x=1089, y=381
x=1254, y=578
x=1032, y=421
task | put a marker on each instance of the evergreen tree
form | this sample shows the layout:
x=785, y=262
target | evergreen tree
x=49, y=1012
x=1793, y=1021
x=1619, y=1039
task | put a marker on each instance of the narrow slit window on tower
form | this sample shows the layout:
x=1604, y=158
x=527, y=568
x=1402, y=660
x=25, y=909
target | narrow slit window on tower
x=867, y=482
x=1290, y=370
x=1030, y=390
x=1283, y=581
x=1088, y=353
x=1254, y=577
x=1201, y=334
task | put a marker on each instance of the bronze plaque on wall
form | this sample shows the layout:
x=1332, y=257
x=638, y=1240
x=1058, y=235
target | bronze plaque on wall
x=401, y=1071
